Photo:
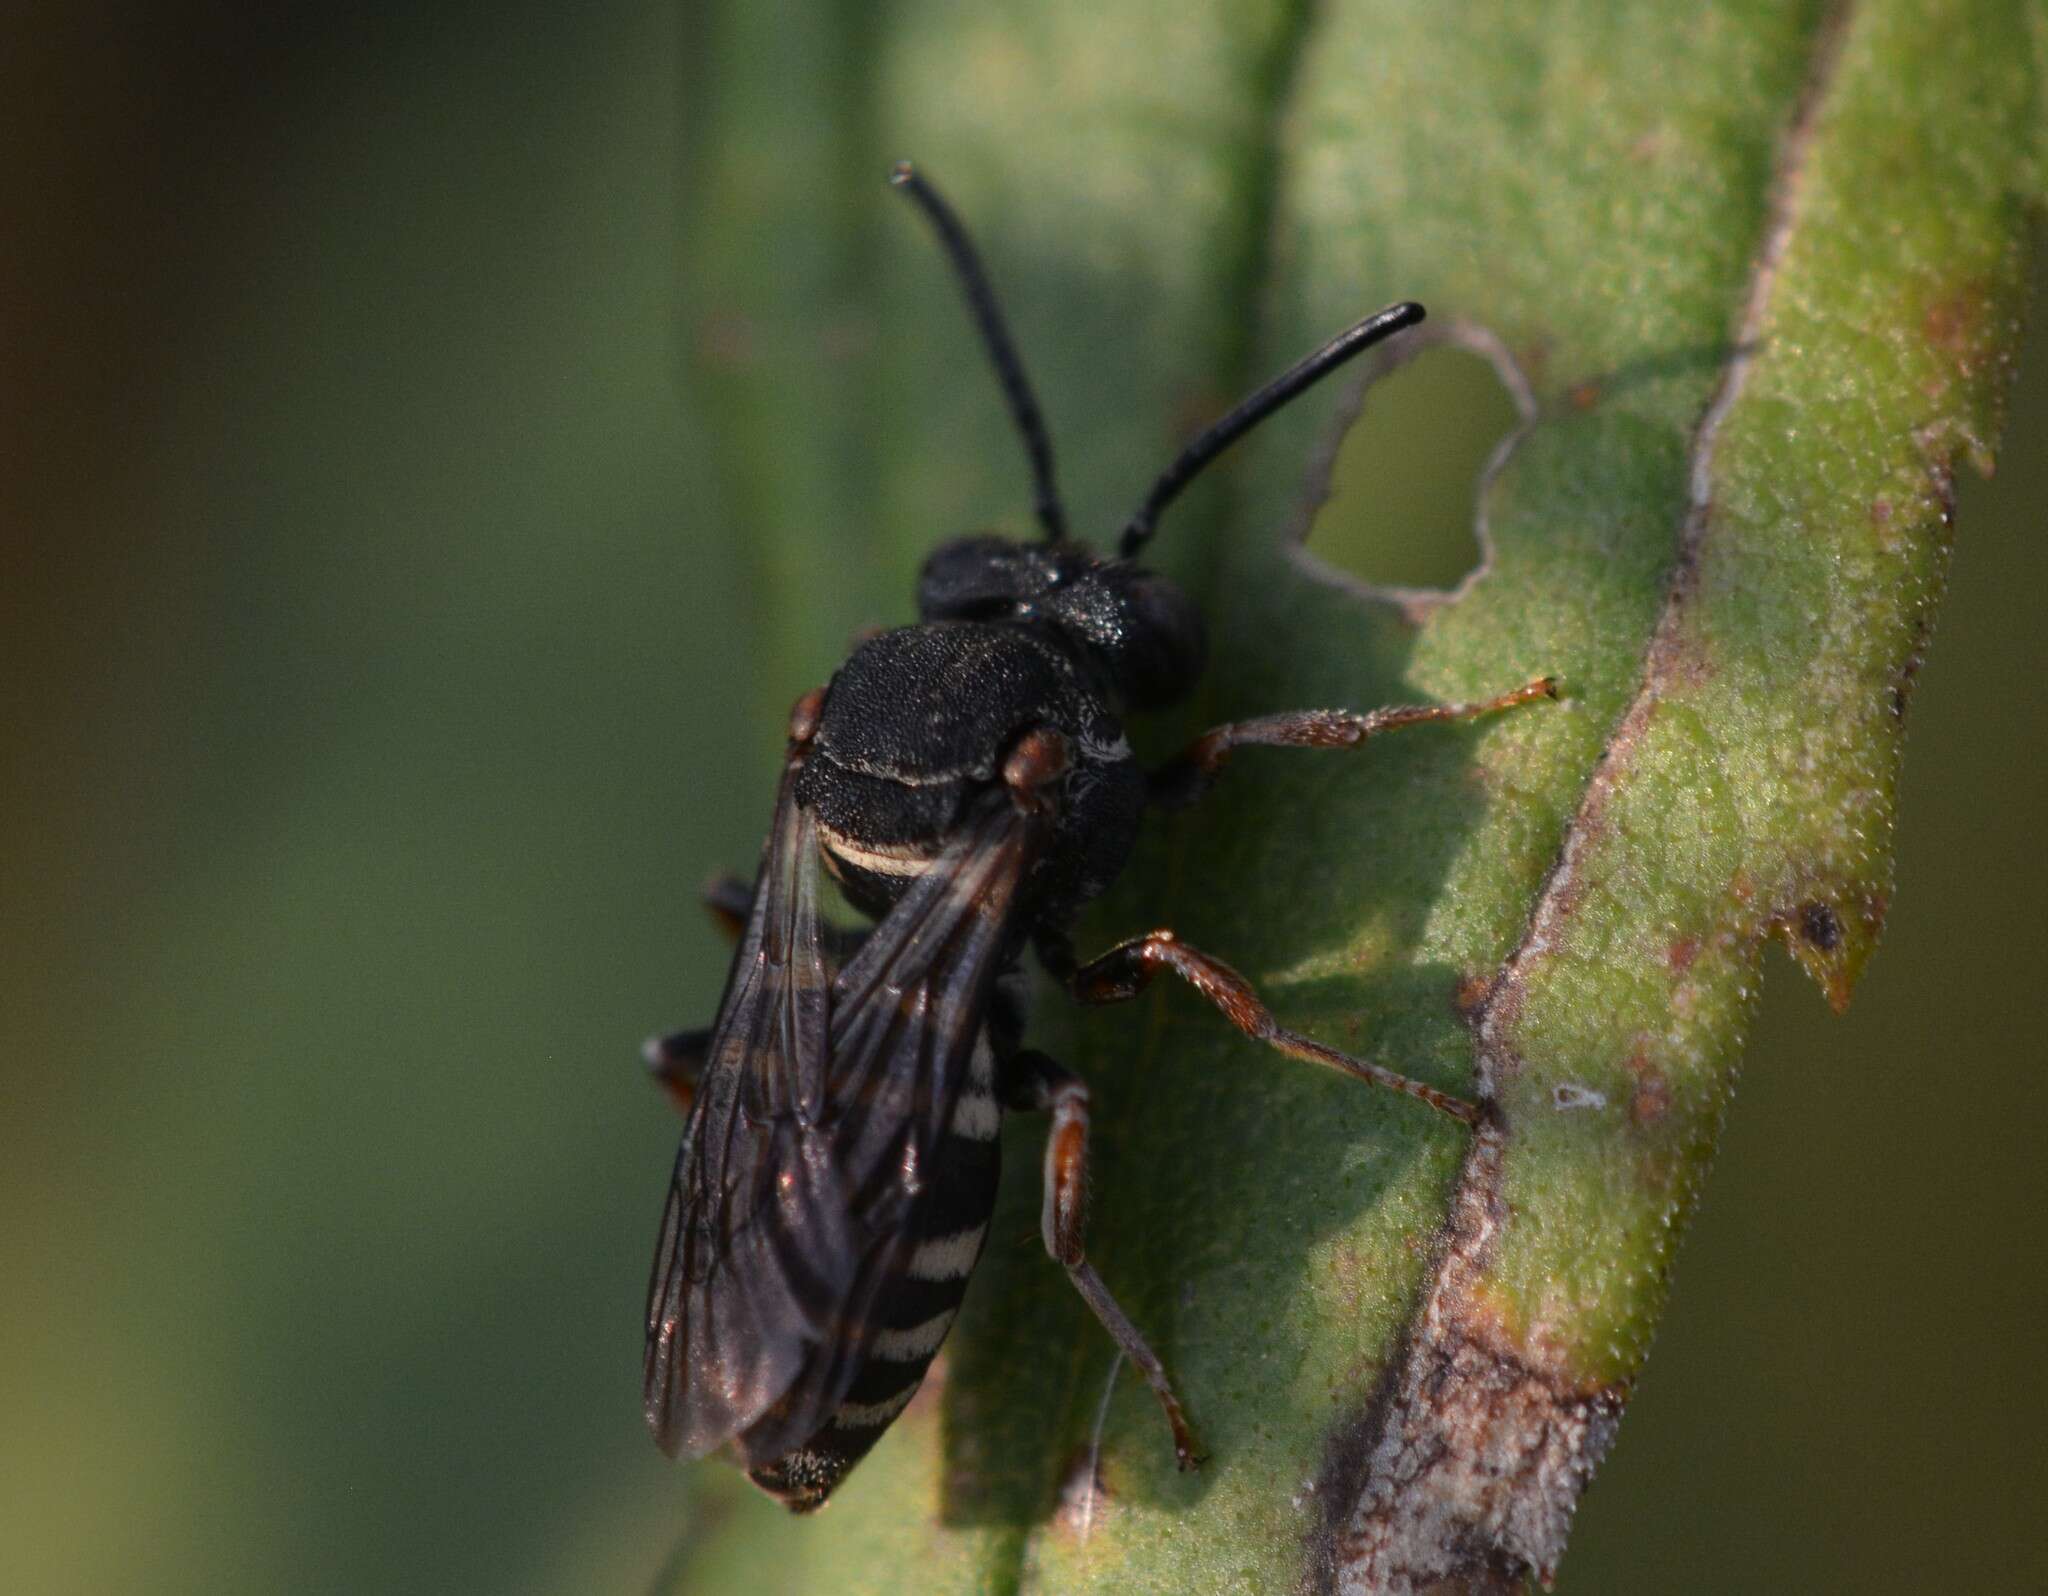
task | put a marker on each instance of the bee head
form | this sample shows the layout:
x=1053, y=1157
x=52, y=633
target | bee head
x=1138, y=630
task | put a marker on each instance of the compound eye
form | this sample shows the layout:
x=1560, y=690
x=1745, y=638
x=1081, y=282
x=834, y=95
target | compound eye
x=1161, y=646
x=982, y=578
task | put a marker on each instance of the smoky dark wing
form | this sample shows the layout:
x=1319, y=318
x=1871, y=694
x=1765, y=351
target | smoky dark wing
x=727, y=1314
x=798, y=1184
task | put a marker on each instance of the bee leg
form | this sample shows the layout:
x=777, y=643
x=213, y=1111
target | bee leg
x=1128, y=968
x=730, y=899
x=1190, y=774
x=1033, y=1081
x=676, y=1061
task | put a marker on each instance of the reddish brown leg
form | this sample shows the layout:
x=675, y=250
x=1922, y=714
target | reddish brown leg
x=676, y=1061
x=1127, y=969
x=730, y=899
x=1033, y=1081
x=1189, y=775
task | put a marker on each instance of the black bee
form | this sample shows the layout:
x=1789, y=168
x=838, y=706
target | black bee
x=967, y=783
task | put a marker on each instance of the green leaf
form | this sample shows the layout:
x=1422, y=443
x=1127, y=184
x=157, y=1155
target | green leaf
x=1753, y=272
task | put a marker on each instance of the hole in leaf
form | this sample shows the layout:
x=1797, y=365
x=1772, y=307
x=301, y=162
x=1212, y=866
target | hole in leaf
x=1404, y=490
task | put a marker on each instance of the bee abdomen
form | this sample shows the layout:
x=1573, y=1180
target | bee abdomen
x=919, y=1310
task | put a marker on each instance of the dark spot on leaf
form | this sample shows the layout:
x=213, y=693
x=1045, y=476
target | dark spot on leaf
x=1681, y=953
x=1819, y=925
x=1880, y=511
x=1469, y=996
x=1962, y=327
x=1651, y=1099
x=1583, y=395
x=1909, y=671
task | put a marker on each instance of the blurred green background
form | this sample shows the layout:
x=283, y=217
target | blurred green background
x=380, y=683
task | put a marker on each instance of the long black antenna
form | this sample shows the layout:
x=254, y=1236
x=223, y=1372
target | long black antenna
x=1305, y=374
x=995, y=333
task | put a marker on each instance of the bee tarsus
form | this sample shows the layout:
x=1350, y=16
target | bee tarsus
x=1189, y=776
x=1128, y=968
x=1035, y=1082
